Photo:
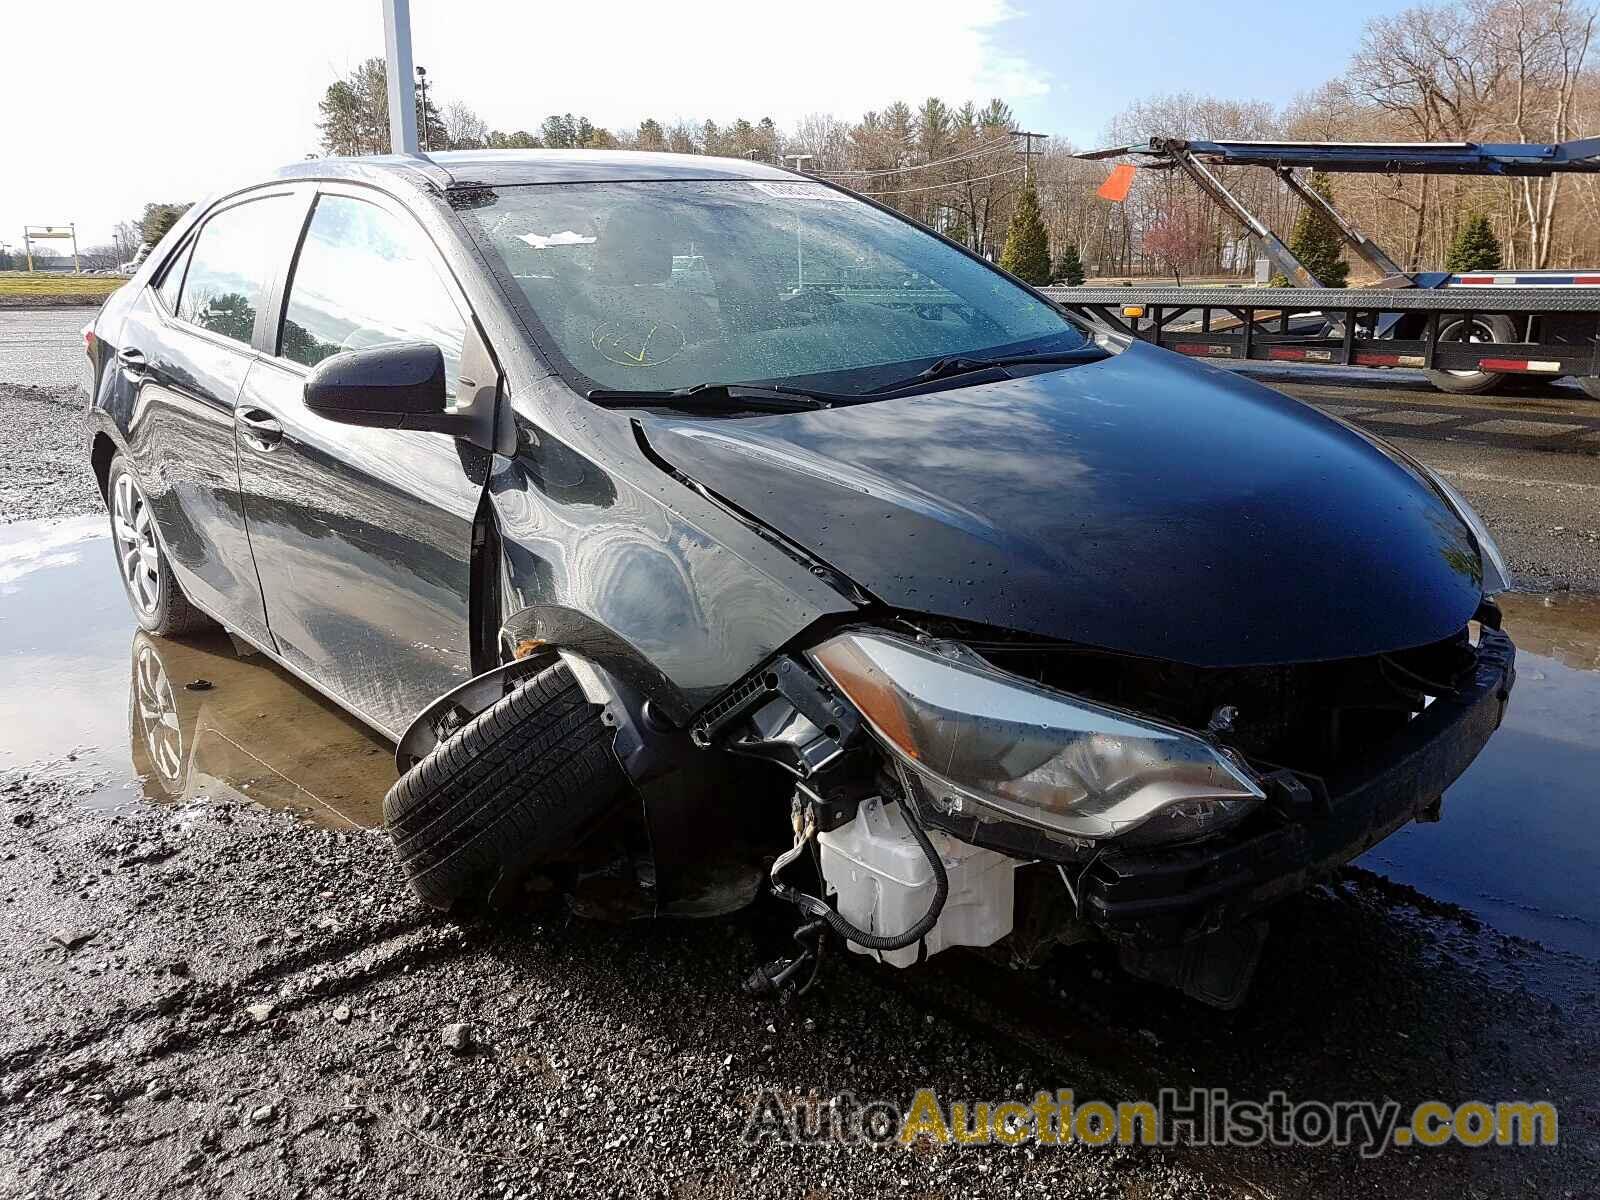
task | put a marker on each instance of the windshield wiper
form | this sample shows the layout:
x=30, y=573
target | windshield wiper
x=962, y=364
x=726, y=396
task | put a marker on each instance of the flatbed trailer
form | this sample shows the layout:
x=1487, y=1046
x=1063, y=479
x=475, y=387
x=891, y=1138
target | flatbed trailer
x=1468, y=331
x=1553, y=331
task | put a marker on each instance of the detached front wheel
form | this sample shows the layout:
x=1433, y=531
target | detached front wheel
x=521, y=783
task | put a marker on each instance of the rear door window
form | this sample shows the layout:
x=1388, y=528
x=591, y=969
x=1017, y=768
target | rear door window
x=367, y=277
x=232, y=266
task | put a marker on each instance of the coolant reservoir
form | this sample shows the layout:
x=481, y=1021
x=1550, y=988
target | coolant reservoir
x=885, y=885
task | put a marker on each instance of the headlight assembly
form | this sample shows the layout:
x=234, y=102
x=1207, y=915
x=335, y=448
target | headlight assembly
x=976, y=735
x=1496, y=578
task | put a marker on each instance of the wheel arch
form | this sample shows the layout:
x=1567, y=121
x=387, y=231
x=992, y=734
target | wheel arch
x=102, y=449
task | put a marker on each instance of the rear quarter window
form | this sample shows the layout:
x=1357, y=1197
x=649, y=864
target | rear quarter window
x=172, y=279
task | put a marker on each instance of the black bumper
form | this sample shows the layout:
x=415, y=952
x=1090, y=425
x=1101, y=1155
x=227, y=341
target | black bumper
x=1164, y=897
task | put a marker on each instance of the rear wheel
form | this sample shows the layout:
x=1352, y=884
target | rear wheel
x=1473, y=329
x=521, y=783
x=158, y=603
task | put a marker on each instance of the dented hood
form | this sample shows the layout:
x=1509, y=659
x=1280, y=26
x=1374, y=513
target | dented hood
x=1143, y=503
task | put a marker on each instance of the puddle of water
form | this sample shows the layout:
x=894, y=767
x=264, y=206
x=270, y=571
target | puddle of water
x=1520, y=840
x=1519, y=843
x=78, y=678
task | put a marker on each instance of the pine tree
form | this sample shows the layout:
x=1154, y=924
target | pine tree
x=1315, y=241
x=1069, y=267
x=1475, y=247
x=1027, y=250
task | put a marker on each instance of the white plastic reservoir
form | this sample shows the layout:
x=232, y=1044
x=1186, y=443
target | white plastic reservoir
x=885, y=885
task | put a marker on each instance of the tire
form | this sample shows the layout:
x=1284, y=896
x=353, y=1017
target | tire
x=1473, y=329
x=522, y=782
x=1590, y=385
x=158, y=603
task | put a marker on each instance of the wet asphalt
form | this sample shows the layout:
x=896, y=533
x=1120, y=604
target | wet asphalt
x=185, y=838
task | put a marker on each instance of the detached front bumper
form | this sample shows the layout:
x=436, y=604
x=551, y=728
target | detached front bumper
x=1169, y=896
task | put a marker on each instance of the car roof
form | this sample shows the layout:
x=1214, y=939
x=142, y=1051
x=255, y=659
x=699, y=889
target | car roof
x=502, y=168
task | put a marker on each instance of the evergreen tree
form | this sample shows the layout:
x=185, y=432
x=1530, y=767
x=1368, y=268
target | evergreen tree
x=1069, y=267
x=1475, y=247
x=158, y=219
x=1315, y=240
x=1027, y=250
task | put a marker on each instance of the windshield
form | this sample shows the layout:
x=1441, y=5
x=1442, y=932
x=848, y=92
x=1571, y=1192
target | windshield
x=643, y=286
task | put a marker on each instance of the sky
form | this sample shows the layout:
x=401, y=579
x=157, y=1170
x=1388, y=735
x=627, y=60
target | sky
x=173, y=99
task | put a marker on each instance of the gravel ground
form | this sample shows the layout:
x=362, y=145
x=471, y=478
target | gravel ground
x=214, y=999
x=43, y=346
x=217, y=999
x=45, y=470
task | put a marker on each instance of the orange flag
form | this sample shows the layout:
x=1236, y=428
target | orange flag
x=1116, y=186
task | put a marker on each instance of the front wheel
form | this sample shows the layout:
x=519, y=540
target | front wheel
x=1473, y=329
x=521, y=783
x=158, y=603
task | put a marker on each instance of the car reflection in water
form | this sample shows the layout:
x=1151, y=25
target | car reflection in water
x=204, y=721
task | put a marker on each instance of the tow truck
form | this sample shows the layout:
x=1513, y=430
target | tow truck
x=1468, y=331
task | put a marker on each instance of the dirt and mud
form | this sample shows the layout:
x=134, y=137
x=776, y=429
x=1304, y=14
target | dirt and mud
x=213, y=982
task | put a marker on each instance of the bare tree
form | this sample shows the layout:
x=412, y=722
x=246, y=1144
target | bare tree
x=465, y=129
x=1544, y=44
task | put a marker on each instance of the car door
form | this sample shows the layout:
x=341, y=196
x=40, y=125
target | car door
x=362, y=537
x=185, y=349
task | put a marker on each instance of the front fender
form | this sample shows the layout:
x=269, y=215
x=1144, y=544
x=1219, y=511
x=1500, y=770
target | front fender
x=570, y=631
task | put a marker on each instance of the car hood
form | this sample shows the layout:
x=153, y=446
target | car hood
x=1143, y=503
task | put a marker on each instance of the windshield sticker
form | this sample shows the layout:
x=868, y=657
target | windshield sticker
x=797, y=190
x=566, y=237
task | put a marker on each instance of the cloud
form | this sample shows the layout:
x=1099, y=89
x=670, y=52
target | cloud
x=620, y=62
x=234, y=89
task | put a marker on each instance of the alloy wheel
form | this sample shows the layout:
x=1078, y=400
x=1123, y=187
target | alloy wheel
x=137, y=551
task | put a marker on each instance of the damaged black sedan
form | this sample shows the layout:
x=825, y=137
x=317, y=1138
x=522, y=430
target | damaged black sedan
x=698, y=529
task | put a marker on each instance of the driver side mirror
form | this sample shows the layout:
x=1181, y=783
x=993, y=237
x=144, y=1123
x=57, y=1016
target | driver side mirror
x=401, y=386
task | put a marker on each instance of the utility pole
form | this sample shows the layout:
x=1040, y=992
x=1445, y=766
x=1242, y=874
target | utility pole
x=402, y=90
x=422, y=108
x=1027, y=155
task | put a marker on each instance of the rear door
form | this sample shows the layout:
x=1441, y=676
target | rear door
x=362, y=537
x=184, y=351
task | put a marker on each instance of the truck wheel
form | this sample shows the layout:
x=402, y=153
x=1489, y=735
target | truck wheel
x=522, y=782
x=1473, y=329
x=158, y=603
x=1590, y=385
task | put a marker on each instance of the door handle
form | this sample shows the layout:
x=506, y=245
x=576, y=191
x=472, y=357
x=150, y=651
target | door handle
x=259, y=427
x=132, y=361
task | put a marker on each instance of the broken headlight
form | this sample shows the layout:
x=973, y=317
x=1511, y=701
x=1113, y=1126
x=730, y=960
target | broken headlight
x=976, y=735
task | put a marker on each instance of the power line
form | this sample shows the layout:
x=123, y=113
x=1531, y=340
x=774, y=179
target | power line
x=977, y=152
x=933, y=187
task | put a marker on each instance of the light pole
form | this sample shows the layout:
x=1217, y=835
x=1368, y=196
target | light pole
x=422, y=109
x=402, y=91
x=799, y=244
